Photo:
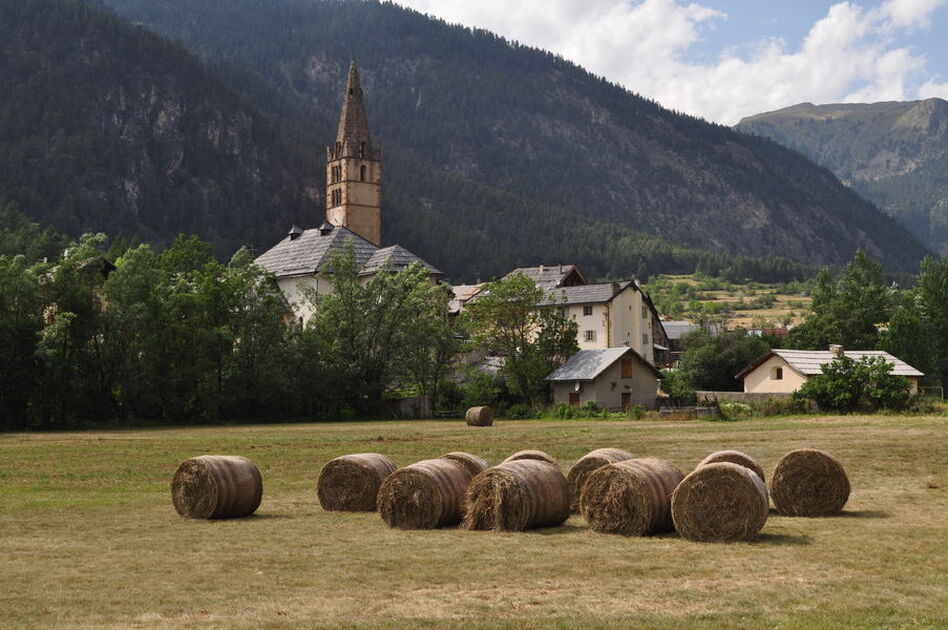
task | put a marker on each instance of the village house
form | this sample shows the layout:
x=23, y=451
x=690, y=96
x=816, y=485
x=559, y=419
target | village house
x=613, y=378
x=782, y=372
x=353, y=215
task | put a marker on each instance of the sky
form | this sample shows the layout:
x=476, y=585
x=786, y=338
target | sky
x=726, y=59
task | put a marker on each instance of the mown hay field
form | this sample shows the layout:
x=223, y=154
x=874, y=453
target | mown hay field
x=89, y=536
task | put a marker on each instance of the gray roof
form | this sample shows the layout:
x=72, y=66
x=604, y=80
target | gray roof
x=546, y=276
x=586, y=365
x=810, y=362
x=307, y=254
x=393, y=258
x=586, y=293
x=679, y=328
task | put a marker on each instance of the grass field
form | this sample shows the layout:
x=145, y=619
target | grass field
x=89, y=537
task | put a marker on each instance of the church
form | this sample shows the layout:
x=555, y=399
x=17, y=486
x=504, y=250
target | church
x=353, y=214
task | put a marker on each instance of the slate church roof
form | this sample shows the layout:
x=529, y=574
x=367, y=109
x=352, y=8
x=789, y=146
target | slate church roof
x=306, y=253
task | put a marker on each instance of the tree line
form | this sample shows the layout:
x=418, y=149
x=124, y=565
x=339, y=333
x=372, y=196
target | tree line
x=174, y=336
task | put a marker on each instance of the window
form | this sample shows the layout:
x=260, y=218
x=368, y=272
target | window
x=777, y=373
x=361, y=149
x=645, y=340
x=626, y=367
x=587, y=310
x=644, y=312
x=590, y=335
x=362, y=173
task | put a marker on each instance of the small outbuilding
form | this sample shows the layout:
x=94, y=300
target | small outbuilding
x=785, y=371
x=613, y=378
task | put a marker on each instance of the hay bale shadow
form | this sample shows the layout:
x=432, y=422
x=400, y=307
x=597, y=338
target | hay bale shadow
x=861, y=514
x=780, y=540
x=268, y=517
x=556, y=531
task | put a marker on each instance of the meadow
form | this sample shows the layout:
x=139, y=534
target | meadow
x=90, y=540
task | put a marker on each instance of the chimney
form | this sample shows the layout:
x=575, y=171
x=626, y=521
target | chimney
x=541, y=268
x=295, y=232
x=836, y=349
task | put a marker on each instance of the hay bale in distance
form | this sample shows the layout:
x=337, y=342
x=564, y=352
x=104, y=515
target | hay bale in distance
x=531, y=454
x=735, y=457
x=473, y=463
x=350, y=483
x=425, y=495
x=808, y=482
x=517, y=495
x=479, y=416
x=589, y=463
x=631, y=497
x=216, y=486
x=720, y=502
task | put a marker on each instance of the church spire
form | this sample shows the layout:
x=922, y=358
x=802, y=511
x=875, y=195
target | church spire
x=354, y=169
x=353, y=124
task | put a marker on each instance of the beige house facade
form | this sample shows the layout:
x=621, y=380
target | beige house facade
x=610, y=315
x=613, y=378
x=785, y=371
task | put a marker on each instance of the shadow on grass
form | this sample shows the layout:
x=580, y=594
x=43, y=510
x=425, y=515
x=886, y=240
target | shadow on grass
x=861, y=514
x=268, y=517
x=556, y=531
x=843, y=514
x=781, y=540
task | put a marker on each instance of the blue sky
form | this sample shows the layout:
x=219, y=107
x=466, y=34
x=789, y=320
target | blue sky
x=724, y=59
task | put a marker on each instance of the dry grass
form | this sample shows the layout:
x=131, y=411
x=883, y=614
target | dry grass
x=90, y=538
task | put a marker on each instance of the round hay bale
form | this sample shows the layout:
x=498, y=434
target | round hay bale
x=517, y=495
x=530, y=454
x=425, y=495
x=473, y=463
x=479, y=416
x=216, y=486
x=631, y=497
x=350, y=483
x=589, y=463
x=735, y=457
x=720, y=502
x=808, y=482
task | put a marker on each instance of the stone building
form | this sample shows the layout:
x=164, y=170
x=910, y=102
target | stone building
x=353, y=215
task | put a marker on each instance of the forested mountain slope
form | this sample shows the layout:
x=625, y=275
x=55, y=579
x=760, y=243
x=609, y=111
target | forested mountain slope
x=894, y=153
x=105, y=126
x=527, y=122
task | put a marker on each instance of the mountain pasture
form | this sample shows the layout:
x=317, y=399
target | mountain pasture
x=91, y=539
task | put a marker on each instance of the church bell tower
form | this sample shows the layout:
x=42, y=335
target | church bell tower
x=354, y=169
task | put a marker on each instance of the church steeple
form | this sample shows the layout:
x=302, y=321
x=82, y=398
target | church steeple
x=353, y=124
x=354, y=169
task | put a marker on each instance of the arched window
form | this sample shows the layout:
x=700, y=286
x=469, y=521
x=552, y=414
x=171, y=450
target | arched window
x=362, y=173
x=776, y=373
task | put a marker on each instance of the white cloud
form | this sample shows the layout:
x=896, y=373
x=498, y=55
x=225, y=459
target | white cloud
x=931, y=89
x=850, y=54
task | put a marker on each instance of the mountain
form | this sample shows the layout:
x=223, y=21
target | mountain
x=496, y=155
x=895, y=154
x=105, y=126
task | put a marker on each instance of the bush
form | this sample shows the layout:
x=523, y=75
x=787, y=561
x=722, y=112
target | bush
x=778, y=406
x=520, y=411
x=849, y=385
x=636, y=412
x=732, y=410
x=679, y=393
x=563, y=411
